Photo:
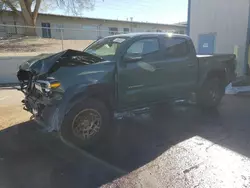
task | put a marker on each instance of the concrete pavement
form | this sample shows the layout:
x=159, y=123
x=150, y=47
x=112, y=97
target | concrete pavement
x=186, y=147
x=10, y=96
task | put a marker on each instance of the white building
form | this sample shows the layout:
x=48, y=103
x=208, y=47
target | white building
x=221, y=26
x=79, y=27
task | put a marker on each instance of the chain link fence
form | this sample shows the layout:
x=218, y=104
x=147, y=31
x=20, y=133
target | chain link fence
x=14, y=39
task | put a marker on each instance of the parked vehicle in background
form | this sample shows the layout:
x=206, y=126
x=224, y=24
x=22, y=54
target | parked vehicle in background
x=77, y=92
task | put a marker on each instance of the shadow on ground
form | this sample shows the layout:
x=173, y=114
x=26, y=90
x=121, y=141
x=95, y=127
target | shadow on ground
x=35, y=159
x=139, y=141
x=31, y=158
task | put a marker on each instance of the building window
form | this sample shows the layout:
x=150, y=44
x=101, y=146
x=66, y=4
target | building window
x=126, y=30
x=171, y=31
x=11, y=29
x=59, y=27
x=15, y=27
x=181, y=32
x=113, y=30
x=3, y=28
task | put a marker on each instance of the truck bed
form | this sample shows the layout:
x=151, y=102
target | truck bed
x=218, y=57
x=223, y=62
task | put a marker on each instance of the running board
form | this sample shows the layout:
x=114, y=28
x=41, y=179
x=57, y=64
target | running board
x=131, y=113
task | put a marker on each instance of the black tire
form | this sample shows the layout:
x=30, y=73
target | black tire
x=211, y=93
x=92, y=106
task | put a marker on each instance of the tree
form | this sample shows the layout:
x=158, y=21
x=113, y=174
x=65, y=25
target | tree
x=75, y=6
x=28, y=9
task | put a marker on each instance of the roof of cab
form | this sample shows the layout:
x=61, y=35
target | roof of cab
x=148, y=34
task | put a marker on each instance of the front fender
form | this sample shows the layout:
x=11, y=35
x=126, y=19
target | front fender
x=77, y=94
x=102, y=91
x=59, y=110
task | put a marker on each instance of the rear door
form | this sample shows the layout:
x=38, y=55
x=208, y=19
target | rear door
x=179, y=70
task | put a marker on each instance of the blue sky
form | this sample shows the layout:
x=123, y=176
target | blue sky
x=157, y=11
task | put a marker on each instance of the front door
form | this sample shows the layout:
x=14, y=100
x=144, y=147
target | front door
x=46, y=32
x=137, y=86
x=206, y=44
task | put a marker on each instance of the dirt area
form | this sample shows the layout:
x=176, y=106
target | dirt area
x=10, y=106
x=40, y=45
x=9, y=116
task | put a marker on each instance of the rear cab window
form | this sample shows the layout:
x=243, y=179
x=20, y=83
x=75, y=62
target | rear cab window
x=176, y=47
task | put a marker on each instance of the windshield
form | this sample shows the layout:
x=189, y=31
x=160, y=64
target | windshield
x=105, y=48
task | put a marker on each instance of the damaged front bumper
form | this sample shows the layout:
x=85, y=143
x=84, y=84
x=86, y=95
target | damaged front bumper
x=44, y=113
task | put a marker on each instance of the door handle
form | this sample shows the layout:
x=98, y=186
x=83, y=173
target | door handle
x=191, y=65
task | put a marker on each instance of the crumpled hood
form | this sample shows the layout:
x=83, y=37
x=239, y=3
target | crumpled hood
x=30, y=62
x=73, y=74
x=42, y=63
x=38, y=62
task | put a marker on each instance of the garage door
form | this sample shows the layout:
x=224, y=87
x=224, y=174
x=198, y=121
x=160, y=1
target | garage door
x=206, y=44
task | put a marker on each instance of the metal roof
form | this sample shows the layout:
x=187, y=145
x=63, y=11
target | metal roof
x=148, y=34
x=103, y=19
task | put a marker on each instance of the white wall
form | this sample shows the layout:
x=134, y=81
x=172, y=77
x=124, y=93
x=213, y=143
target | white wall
x=228, y=19
x=94, y=28
x=73, y=26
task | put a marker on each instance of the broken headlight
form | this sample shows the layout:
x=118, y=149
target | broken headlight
x=46, y=86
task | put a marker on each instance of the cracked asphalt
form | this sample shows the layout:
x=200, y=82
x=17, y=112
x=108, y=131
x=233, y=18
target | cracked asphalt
x=183, y=147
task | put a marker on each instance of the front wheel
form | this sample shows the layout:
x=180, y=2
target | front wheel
x=211, y=93
x=86, y=123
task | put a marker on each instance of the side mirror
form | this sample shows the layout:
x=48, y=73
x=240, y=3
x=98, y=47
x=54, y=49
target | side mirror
x=132, y=58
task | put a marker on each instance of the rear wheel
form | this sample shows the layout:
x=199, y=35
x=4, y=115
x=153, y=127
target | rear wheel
x=211, y=93
x=86, y=123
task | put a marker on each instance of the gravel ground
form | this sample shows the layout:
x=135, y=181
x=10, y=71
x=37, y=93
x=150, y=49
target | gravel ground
x=11, y=109
x=36, y=45
x=187, y=147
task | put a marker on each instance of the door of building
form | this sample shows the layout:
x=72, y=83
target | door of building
x=46, y=32
x=206, y=44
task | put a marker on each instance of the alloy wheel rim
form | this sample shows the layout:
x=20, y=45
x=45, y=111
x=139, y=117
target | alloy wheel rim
x=214, y=93
x=86, y=124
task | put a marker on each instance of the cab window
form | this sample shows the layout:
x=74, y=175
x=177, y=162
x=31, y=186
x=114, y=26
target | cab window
x=144, y=46
x=176, y=47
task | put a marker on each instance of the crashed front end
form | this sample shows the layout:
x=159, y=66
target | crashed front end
x=45, y=95
x=42, y=97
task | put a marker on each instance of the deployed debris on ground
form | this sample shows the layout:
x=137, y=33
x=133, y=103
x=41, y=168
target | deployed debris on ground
x=240, y=86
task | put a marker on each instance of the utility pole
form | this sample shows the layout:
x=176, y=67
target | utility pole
x=131, y=24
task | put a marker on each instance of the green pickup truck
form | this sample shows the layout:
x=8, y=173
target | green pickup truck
x=78, y=92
